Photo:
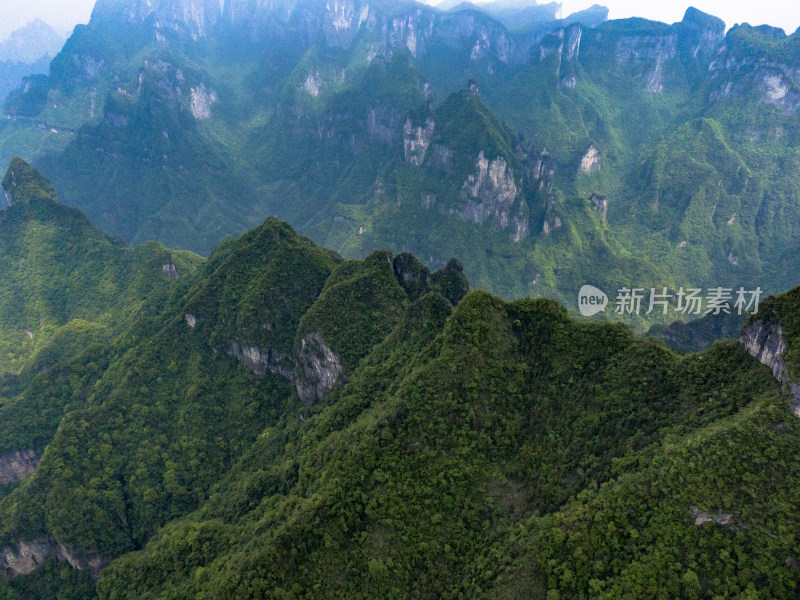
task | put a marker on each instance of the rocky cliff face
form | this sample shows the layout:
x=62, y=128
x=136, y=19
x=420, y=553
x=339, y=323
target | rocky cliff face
x=773, y=82
x=591, y=161
x=758, y=62
x=490, y=194
x=29, y=555
x=262, y=361
x=197, y=17
x=600, y=204
x=14, y=466
x=416, y=139
x=649, y=52
x=538, y=167
x=382, y=124
x=700, y=34
x=202, y=100
x=319, y=369
x=381, y=29
x=765, y=341
x=565, y=44
x=315, y=371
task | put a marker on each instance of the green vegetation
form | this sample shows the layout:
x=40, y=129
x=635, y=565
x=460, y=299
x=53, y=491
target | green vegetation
x=474, y=448
x=57, y=267
x=464, y=475
x=280, y=420
x=189, y=139
x=782, y=310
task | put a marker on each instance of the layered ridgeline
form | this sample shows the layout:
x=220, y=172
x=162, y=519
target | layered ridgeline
x=279, y=422
x=27, y=51
x=64, y=278
x=547, y=156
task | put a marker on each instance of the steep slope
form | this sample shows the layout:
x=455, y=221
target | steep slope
x=652, y=154
x=137, y=383
x=57, y=267
x=26, y=52
x=450, y=472
x=693, y=522
x=31, y=43
x=281, y=422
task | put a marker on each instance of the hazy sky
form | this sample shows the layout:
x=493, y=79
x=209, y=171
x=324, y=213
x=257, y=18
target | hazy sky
x=62, y=15
x=780, y=13
x=65, y=14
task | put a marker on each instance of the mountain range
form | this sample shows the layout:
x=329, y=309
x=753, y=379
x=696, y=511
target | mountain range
x=623, y=153
x=277, y=421
x=27, y=51
x=31, y=43
x=288, y=306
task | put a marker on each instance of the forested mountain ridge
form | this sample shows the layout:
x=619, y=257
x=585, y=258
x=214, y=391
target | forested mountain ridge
x=59, y=270
x=621, y=153
x=276, y=421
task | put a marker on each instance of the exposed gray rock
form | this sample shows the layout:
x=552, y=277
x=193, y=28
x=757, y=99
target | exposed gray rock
x=538, y=169
x=93, y=563
x=29, y=555
x=415, y=28
x=26, y=557
x=591, y=161
x=552, y=220
x=572, y=41
x=442, y=157
x=416, y=139
x=764, y=340
x=491, y=194
x=319, y=369
x=520, y=227
x=313, y=84
x=735, y=74
x=197, y=17
x=551, y=224
x=171, y=270
x=600, y=204
x=720, y=518
x=202, y=100
x=552, y=45
x=649, y=53
x=261, y=361
x=779, y=88
x=315, y=370
x=14, y=466
x=382, y=124
x=88, y=65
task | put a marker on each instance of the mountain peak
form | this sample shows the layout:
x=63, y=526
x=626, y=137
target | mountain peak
x=23, y=183
x=197, y=16
x=30, y=43
x=704, y=20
